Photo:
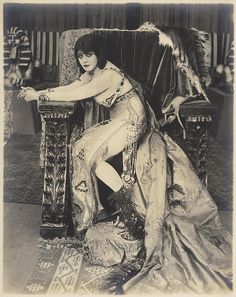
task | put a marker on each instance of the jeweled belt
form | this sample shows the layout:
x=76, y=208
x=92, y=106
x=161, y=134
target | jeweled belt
x=125, y=96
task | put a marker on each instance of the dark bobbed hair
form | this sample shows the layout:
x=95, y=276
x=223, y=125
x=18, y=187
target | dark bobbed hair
x=88, y=43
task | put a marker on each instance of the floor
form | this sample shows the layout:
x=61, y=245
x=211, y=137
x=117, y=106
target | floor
x=20, y=238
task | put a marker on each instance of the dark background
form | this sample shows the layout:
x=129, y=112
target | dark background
x=60, y=17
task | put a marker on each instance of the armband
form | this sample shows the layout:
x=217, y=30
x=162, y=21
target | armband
x=44, y=97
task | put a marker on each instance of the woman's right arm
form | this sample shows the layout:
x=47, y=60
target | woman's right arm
x=30, y=94
x=83, y=79
x=92, y=88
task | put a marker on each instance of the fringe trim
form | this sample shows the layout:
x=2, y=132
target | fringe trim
x=128, y=215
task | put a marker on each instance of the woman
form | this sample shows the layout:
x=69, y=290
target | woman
x=166, y=216
x=103, y=81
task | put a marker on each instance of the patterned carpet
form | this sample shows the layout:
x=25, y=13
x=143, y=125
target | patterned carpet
x=23, y=179
x=64, y=268
x=57, y=270
x=220, y=174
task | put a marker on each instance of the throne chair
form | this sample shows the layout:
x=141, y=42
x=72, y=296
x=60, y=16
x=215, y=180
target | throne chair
x=171, y=65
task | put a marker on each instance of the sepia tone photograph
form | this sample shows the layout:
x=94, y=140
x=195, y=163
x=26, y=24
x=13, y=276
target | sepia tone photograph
x=118, y=148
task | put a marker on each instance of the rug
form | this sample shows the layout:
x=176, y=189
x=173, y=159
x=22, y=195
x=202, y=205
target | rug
x=56, y=271
x=64, y=268
x=23, y=178
x=220, y=174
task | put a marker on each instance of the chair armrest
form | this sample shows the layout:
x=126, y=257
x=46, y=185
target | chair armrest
x=197, y=108
x=49, y=108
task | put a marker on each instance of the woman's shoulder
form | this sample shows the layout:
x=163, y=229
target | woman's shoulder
x=112, y=68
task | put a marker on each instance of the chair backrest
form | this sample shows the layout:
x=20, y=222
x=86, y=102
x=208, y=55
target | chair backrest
x=168, y=62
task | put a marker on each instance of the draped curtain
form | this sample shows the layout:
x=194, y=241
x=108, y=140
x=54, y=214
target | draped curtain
x=61, y=17
x=43, y=23
x=216, y=19
x=206, y=17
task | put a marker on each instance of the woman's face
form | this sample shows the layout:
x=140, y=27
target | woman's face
x=88, y=60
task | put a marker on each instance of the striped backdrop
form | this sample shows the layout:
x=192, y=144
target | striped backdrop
x=220, y=47
x=230, y=58
x=45, y=46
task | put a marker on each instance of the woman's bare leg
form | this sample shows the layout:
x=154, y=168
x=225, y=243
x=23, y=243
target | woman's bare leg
x=106, y=173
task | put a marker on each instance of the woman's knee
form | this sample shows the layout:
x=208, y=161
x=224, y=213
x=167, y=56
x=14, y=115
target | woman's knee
x=107, y=173
x=100, y=167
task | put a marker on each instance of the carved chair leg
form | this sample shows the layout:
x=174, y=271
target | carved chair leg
x=197, y=142
x=54, y=215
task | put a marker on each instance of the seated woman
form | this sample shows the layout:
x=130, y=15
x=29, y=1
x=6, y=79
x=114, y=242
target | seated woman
x=166, y=217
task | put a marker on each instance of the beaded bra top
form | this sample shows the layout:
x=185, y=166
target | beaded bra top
x=112, y=100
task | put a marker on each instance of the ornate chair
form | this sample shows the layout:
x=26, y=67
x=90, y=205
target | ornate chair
x=168, y=63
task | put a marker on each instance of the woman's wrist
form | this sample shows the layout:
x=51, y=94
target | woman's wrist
x=43, y=97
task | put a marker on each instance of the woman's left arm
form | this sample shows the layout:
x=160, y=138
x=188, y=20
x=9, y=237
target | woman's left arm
x=94, y=87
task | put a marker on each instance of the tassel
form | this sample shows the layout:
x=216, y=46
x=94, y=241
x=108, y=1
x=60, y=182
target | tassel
x=128, y=215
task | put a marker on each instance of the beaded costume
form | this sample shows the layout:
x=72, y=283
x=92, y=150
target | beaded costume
x=127, y=119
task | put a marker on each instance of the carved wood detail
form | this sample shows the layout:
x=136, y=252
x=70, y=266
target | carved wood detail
x=197, y=121
x=54, y=212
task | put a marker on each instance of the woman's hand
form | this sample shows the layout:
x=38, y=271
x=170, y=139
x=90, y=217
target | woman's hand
x=28, y=94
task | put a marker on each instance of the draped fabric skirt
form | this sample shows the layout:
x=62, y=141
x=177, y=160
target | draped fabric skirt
x=126, y=125
x=187, y=248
